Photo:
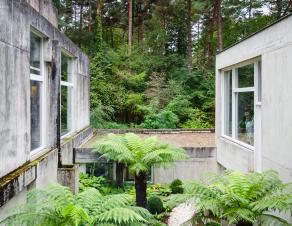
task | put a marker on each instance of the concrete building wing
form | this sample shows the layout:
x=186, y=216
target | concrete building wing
x=254, y=102
x=44, y=107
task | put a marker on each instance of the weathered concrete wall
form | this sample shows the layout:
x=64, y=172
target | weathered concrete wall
x=17, y=18
x=274, y=46
x=69, y=176
x=46, y=9
x=202, y=161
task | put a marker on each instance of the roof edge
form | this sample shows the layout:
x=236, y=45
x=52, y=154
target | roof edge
x=255, y=33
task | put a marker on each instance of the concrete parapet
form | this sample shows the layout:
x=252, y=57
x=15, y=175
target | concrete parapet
x=69, y=176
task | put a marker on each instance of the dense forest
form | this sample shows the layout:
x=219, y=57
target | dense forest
x=152, y=61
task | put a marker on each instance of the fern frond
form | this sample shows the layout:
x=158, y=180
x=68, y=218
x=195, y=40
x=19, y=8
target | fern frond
x=270, y=219
x=120, y=216
x=141, y=211
x=116, y=200
x=89, y=199
x=149, y=144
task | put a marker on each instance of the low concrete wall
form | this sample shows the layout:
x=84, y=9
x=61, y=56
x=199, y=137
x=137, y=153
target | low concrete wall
x=41, y=172
x=153, y=131
x=69, y=176
x=202, y=160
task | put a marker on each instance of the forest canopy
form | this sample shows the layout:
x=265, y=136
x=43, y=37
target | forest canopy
x=152, y=61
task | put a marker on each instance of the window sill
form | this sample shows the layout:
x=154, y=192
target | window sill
x=239, y=143
x=66, y=136
x=38, y=152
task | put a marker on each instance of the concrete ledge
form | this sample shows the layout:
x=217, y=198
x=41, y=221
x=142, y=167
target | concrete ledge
x=16, y=182
x=86, y=155
x=201, y=152
x=153, y=131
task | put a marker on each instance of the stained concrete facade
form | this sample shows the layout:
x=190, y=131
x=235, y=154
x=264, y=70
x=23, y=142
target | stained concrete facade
x=19, y=168
x=201, y=160
x=272, y=118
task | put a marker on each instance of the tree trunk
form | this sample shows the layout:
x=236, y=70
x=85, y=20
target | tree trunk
x=211, y=35
x=98, y=9
x=279, y=8
x=219, y=17
x=140, y=187
x=130, y=24
x=120, y=175
x=80, y=22
x=189, y=28
x=90, y=16
x=244, y=223
x=139, y=13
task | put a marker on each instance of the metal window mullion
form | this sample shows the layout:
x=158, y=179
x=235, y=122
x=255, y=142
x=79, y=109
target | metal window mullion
x=35, y=68
x=223, y=76
x=243, y=90
x=68, y=84
x=38, y=78
x=234, y=103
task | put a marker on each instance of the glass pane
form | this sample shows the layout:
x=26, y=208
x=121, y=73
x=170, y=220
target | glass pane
x=64, y=68
x=246, y=117
x=35, y=108
x=35, y=53
x=245, y=76
x=65, y=97
x=228, y=103
x=260, y=82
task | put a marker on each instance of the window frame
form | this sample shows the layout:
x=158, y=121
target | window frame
x=235, y=90
x=70, y=86
x=42, y=81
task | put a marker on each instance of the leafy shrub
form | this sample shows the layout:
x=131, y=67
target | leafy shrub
x=239, y=198
x=100, y=115
x=198, y=120
x=87, y=181
x=115, y=125
x=162, y=120
x=176, y=187
x=181, y=106
x=155, y=205
x=158, y=189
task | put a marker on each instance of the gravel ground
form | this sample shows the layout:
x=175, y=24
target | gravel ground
x=181, y=214
x=179, y=139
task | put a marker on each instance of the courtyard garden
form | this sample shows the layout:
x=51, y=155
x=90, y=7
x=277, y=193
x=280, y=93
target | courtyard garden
x=231, y=198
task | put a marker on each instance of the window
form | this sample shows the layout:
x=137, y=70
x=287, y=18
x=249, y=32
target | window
x=36, y=91
x=239, y=101
x=66, y=94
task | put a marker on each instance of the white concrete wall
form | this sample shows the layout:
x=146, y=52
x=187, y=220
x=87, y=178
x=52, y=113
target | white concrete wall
x=17, y=17
x=201, y=161
x=194, y=169
x=274, y=46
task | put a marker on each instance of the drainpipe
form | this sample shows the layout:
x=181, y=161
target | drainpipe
x=56, y=73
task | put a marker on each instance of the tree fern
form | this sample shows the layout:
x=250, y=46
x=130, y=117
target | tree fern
x=139, y=155
x=56, y=205
x=241, y=198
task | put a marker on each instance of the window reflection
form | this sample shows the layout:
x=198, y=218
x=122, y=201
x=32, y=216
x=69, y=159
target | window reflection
x=246, y=117
x=35, y=114
x=228, y=103
x=66, y=87
x=35, y=54
x=246, y=76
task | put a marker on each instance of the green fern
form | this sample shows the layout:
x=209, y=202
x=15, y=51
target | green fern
x=240, y=198
x=56, y=205
x=139, y=155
